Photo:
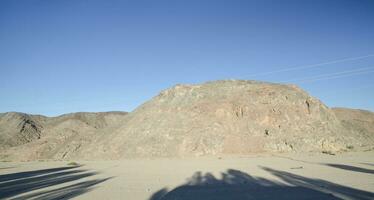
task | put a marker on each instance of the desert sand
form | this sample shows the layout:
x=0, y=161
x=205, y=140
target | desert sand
x=276, y=176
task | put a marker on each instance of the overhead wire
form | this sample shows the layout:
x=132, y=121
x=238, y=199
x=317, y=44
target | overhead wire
x=312, y=65
x=328, y=76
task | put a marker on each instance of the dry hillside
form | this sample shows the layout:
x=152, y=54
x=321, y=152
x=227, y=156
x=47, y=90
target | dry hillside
x=30, y=137
x=231, y=117
x=214, y=118
x=359, y=123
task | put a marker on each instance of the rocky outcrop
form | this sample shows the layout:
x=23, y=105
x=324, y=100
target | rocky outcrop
x=214, y=118
x=19, y=128
x=31, y=137
x=229, y=117
x=359, y=124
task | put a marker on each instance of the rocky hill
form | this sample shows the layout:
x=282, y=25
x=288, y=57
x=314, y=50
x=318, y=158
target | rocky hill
x=19, y=128
x=31, y=137
x=231, y=117
x=359, y=124
x=214, y=118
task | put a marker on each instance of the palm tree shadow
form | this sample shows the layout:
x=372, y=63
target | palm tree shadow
x=1, y=168
x=238, y=185
x=351, y=168
x=44, y=184
x=368, y=164
x=341, y=191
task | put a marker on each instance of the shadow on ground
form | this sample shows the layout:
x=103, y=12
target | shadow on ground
x=1, y=168
x=26, y=185
x=368, y=164
x=238, y=185
x=351, y=168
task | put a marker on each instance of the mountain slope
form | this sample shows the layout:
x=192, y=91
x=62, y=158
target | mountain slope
x=228, y=117
x=19, y=128
x=359, y=123
x=214, y=118
x=53, y=138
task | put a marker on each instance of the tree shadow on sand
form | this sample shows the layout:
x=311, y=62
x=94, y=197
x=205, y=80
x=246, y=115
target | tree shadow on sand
x=237, y=185
x=351, y=168
x=45, y=184
x=368, y=164
x=2, y=168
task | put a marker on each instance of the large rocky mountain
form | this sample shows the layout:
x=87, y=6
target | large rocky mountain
x=214, y=118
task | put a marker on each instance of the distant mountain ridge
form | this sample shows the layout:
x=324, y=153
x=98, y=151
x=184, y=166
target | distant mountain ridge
x=214, y=118
x=30, y=137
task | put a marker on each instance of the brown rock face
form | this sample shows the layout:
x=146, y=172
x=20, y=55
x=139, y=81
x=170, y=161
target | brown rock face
x=229, y=117
x=221, y=117
x=359, y=124
x=18, y=128
x=30, y=137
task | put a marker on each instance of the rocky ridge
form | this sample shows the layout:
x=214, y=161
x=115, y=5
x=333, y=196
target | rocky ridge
x=214, y=118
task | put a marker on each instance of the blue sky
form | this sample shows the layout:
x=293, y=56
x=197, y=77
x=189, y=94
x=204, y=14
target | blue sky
x=73, y=55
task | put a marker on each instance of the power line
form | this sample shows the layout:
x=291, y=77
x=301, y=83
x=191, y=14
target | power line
x=342, y=73
x=312, y=65
x=341, y=76
x=332, y=76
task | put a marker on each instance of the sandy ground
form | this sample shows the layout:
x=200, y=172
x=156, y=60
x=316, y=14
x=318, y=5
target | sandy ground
x=285, y=176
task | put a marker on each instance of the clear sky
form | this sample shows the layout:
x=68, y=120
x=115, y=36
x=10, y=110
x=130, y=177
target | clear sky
x=72, y=55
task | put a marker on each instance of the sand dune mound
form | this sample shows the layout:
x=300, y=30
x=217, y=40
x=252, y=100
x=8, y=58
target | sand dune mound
x=214, y=118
